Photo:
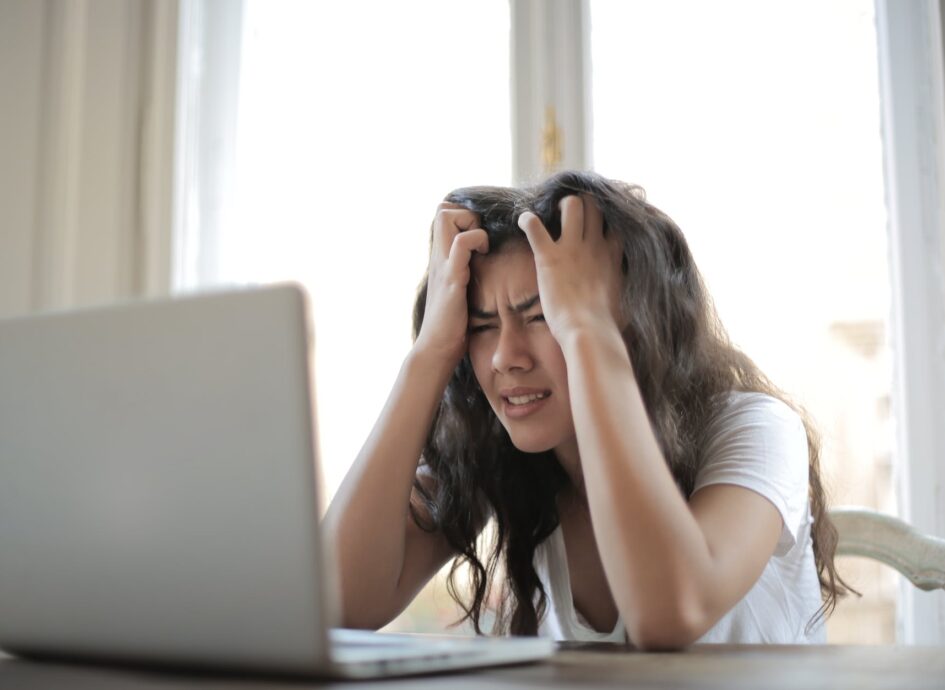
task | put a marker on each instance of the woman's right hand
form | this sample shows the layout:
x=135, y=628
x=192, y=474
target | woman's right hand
x=456, y=235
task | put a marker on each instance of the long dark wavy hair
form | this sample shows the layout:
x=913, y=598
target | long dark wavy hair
x=685, y=366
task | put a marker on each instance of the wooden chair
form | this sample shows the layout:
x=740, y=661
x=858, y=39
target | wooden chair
x=885, y=538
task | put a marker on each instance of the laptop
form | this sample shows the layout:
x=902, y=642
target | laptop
x=159, y=496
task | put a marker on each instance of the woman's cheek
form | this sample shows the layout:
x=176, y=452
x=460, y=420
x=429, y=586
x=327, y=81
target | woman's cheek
x=480, y=364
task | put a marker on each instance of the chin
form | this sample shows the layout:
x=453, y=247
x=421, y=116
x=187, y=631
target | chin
x=531, y=444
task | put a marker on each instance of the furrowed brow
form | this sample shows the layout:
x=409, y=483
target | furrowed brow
x=525, y=305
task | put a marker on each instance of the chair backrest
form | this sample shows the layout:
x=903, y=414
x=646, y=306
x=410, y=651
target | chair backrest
x=920, y=557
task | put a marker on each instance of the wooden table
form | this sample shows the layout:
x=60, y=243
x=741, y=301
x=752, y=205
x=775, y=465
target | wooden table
x=584, y=666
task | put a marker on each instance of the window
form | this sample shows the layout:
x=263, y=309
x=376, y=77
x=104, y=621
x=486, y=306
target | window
x=347, y=135
x=756, y=126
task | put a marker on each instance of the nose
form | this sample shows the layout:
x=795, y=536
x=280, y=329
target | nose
x=512, y=351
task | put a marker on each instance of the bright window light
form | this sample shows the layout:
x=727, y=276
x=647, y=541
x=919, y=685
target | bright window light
x=355, y=119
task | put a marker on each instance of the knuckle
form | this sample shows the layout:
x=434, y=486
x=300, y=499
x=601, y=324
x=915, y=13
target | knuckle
x=570, y=202
x=466, y=238
x=451, y=219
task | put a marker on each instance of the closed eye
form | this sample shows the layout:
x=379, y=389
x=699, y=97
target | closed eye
x=536, y=317
x=481, y=328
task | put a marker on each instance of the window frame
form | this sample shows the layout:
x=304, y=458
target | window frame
x=913, y=122
x=557, y=74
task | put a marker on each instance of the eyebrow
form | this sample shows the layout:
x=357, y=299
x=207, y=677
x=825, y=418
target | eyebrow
x=517, y=309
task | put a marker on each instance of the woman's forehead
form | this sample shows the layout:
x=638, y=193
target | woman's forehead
x=505, y=278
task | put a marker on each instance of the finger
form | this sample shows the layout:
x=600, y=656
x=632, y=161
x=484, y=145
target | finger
x=464, y=244
x=572, y=218
x=535, y=231
x=435, y=249
x=448, y=223
x=593, y=218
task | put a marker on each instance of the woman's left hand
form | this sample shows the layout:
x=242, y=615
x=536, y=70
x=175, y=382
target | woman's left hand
x=579, y=275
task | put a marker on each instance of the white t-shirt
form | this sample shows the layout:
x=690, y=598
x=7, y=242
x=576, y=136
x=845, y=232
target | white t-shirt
x=757, y=442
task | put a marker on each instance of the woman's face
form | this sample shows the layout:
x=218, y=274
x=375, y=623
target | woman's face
x=517, y=361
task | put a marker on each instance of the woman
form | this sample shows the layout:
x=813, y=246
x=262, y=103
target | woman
x=569, y=379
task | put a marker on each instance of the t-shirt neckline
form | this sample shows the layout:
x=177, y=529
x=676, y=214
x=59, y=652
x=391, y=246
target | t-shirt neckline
x=574, y=616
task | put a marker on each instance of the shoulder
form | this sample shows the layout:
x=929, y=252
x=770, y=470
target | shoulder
x=752, y=419
x=753, y=426
x=759, y=442
x=747, y=408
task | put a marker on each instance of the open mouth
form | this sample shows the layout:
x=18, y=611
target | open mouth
x=524, y=404
x=518, y=400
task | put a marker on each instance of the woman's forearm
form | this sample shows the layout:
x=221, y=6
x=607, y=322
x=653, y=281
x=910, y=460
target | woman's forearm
x=366, y=521
x=652, y=549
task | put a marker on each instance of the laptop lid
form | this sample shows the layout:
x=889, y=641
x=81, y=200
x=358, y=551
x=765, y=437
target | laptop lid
x=158, y=484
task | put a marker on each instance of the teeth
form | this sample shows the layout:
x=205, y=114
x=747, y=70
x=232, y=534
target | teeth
x=522, y=399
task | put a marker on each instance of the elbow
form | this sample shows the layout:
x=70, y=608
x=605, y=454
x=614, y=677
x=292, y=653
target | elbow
x=364, y=608
x=359, y=598
x=356, y=622
x=357, y=602
x=661, y=639
x=362, y=615
x=666, y=628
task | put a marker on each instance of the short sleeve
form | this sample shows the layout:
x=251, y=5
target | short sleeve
x=758, y=442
